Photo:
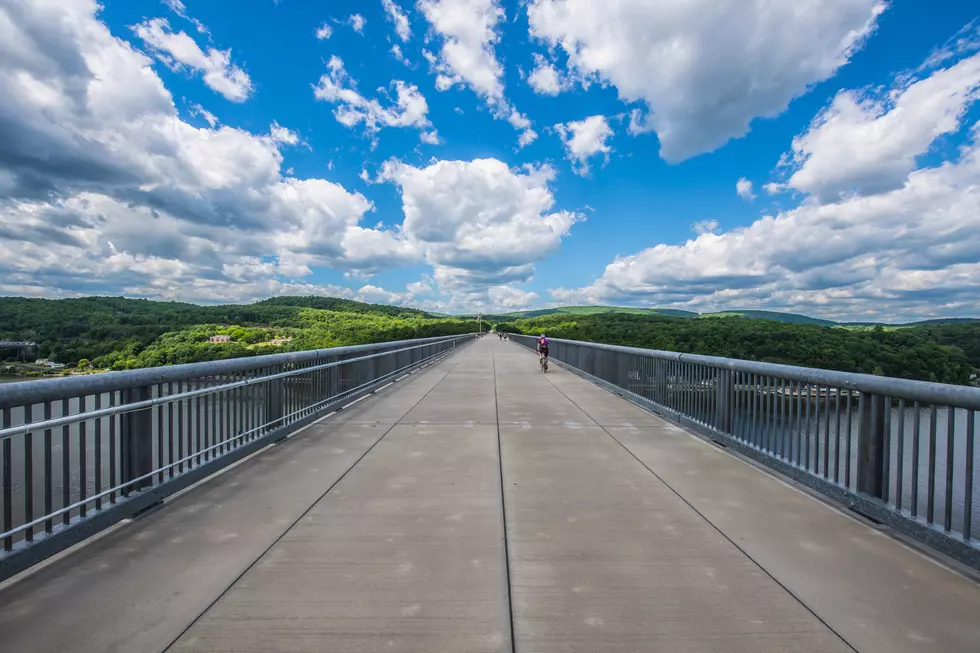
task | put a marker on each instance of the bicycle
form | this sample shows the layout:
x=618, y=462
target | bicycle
x=544, y=363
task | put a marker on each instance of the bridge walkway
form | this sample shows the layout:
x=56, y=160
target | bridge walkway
x=479, y=505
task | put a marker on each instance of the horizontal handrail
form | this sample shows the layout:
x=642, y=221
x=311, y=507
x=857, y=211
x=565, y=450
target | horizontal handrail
x=197, y=454
x=913, y=390
x=122, y=409
x=37, y=391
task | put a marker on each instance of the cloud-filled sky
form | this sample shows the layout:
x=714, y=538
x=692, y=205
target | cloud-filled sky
x=817, y=156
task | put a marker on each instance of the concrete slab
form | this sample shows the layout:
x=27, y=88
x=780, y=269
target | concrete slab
x=630, y=567
x=876, y=592
x=392, y=406
x=461, y=404
x=137, y=588
x=605, y=408
x=406, y=554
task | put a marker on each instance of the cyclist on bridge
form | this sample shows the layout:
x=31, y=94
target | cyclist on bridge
x=542, y=350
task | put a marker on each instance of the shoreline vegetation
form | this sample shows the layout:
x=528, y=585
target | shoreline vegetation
x=96, y=334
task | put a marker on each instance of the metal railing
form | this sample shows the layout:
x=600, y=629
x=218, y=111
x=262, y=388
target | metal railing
x=82, y=453
x=901, y=452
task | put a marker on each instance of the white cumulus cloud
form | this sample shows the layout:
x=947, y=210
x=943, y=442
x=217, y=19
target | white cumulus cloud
x=479, y=223
x=911, y=250
x=178, y=50
x=283, y=135
x=544, y=78
x=408, y=110
x=744, y=189
x=397, y=16
x=584, y=139
x=705, y=71
x=107, y=190
x=867, y=141
x=469, y=30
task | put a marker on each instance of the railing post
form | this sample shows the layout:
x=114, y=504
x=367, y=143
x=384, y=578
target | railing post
x=871, y=446
x=136, y=440
x=723, y=401
x=274, y=401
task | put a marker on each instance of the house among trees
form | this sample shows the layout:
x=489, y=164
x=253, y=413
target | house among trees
x=219, y=339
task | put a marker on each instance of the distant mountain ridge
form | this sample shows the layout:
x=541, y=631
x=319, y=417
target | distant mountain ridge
x=776, y=316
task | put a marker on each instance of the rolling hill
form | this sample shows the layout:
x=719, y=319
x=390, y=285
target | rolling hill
x=775, y=316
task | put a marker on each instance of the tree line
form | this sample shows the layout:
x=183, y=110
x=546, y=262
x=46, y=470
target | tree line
x=941, y=353
x=118, y=333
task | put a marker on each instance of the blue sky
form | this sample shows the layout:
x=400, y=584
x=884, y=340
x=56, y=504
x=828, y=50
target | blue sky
x=816, y=156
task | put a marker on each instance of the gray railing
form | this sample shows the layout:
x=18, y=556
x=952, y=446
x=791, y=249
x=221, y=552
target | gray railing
x=79, y=454
x=901, y=452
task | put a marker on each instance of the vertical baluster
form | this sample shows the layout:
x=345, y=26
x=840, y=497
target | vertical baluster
x=900, y=458
x=82, y=458
x=28, y=474
x=112, y=448
x=702, y=395
x=171, y=432
x=931, y=490
x=7, y=453
x=837, y=439
x=97, y=454
x=764, y=415
x=798, y=430
x=207, y=425
x=950, y=451
x=180, y=429
x=916, y=426
x=847, y=445
x=816, y=432
x=219, y=426
x=784, y=407
x=160, y=432
x=826, y=435
x=233, y=416
x=235, y=410
x=806, y=444
x=689, y=374
x=773, y=415
x=65, y=463
x=254, y=401
x=48, y=471
x=775, y=397
x=968, y=476
x=790, y=433
x=737, y=405
x=199, y=427
x=226, y=420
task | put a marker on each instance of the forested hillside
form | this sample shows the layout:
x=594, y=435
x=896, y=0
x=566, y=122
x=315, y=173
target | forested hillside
x=944, y=353
x=117, y=333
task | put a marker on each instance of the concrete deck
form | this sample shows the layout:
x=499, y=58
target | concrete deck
x=482, y=506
